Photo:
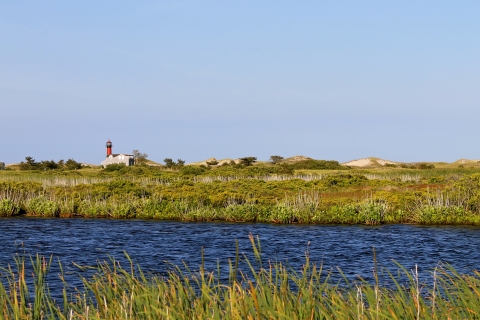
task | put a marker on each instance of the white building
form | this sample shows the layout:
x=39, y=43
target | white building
x=127, y=159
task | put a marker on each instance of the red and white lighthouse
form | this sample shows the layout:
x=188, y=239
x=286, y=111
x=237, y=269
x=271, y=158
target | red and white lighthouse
x=109, y=147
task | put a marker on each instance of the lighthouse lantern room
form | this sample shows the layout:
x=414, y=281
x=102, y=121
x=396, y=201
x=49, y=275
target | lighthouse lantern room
x=109, y=147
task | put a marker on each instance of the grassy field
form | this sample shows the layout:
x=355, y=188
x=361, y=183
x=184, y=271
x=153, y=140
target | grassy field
x=266, y=290
x=445, y=194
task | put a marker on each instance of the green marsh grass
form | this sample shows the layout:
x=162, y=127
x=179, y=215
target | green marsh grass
x=397, y=195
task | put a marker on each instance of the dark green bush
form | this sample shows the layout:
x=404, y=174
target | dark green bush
x=424, y=166
x=192, y=170
x=319, y=165
x=114, y=167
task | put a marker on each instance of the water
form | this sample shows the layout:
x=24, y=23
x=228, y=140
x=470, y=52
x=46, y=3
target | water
x=151, y=243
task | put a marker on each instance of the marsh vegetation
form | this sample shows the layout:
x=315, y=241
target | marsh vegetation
x=308, y=191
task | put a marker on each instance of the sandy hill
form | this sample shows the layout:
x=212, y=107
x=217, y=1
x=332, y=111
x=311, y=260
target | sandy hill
x=11, y=164
x=212, y=160
x=296, y=159
x=152, y=163
x=369, y=162
x=466, y=161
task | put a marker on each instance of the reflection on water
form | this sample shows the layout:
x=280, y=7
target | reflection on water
x=151, y=243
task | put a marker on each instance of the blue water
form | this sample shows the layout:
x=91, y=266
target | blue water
x=153, y=243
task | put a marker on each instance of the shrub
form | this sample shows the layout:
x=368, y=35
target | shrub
x=424, y=166
x=8, y=208
x=40, y=206
x=72, y=164
x=344, y=180
x=29, y=164
x=248, y=161
x=241, y=212
x=114, y=167
x=125, y=210
x=284, y=168
x=436, y=179
x=93, y=209
x=192, y=170
x=283, y=214
x=276, y=159
x=319, y=165
x=441, y=215
x=373, y=212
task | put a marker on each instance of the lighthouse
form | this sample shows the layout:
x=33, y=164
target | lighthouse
x=121, y=158
x=109, y=147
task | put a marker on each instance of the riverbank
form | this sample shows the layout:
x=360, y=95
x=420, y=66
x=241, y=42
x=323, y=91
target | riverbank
x=252, y=194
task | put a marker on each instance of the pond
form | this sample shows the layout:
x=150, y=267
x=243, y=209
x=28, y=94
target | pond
x=155, y=245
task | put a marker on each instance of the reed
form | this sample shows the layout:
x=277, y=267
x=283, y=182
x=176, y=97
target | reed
x=252, y=289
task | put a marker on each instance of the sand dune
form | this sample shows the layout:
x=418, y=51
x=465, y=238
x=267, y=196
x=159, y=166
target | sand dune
x=369, y=162
x=220, y=162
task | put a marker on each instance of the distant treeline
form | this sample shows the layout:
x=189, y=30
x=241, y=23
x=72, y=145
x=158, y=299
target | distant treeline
x=31, y=164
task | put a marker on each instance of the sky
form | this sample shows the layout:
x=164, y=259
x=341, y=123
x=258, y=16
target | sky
x=333, y=80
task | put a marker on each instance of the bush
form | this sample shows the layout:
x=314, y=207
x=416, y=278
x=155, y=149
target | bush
x=123, y=210
x=40, y=206
x=344, y=180
x=72, y=165
x=93, y=209
x=29, y=164
x=424, y=166
x=8, y=208
x=248, y=161
x=421, y=166
x=114, y=167
x=373, y=212
x=276, y=159
x=192, y=170
x=441, y=215
x=319, y=165
x=284, y=168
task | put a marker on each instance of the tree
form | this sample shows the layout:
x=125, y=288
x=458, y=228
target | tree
x=49, y=165
x=29, y=164
x=248, y=161
x=140, y=158
x=72, y=164
x=276, y=159
x=169, y=163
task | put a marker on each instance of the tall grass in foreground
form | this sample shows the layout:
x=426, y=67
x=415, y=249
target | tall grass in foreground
x=265, y=291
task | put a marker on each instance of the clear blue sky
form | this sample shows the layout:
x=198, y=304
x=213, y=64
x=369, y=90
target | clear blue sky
x=197, y=79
